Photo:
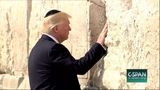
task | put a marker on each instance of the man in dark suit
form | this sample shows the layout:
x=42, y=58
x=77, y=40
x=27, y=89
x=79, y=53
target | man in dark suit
x=50, y=65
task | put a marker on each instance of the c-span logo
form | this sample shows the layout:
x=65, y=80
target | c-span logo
x=136, y=75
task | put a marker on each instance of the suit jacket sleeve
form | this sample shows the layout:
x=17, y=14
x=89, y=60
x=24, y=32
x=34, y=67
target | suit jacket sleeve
x=90, y=59
x=61, y=56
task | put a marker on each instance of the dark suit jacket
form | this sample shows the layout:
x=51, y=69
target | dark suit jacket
x=52, y=67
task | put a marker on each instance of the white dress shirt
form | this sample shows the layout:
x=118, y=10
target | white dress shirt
x=51, y=37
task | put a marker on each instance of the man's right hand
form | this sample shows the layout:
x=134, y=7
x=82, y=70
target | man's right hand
x=103, y=34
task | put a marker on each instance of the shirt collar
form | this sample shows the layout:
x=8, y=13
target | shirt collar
x=51, y=37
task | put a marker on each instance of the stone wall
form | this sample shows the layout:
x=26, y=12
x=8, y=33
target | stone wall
x=133, y=39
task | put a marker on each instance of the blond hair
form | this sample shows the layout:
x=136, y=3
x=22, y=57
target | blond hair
x=51, y=21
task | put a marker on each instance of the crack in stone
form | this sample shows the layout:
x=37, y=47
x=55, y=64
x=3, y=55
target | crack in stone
x=97, y=4
x=29, y=9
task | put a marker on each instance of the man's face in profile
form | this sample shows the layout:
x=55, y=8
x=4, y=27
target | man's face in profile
x=63, y=29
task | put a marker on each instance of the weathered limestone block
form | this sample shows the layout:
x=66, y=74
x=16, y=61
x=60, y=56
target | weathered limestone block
x=97, y=20
x=1, y=80
x=11, y=82
x=25, y=83
x=13, y=36
x=133, y=40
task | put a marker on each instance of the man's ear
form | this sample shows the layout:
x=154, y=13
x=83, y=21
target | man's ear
x=55, y=29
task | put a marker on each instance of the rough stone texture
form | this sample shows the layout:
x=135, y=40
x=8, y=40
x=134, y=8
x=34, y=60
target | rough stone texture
x=133, y=39
x=11, y=82
x=97, y=20
x=24, y=83
x=13, y=47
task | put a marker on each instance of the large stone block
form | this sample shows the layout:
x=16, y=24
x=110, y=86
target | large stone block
x=1, y=80
x=11, y=82
x=25, y=83
x=133, y=40
x=13, y=36
x=97, y=19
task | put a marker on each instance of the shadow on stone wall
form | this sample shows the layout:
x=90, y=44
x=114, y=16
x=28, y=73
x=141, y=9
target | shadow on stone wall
x=95, y=81
x=97, y=19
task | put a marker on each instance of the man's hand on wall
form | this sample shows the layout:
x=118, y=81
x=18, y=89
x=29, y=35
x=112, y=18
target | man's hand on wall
x=103, y=34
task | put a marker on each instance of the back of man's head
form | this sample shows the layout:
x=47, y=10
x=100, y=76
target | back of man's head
x=53, y=18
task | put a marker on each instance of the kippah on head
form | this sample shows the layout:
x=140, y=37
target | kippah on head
x=53, y=18
x=51, y=12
